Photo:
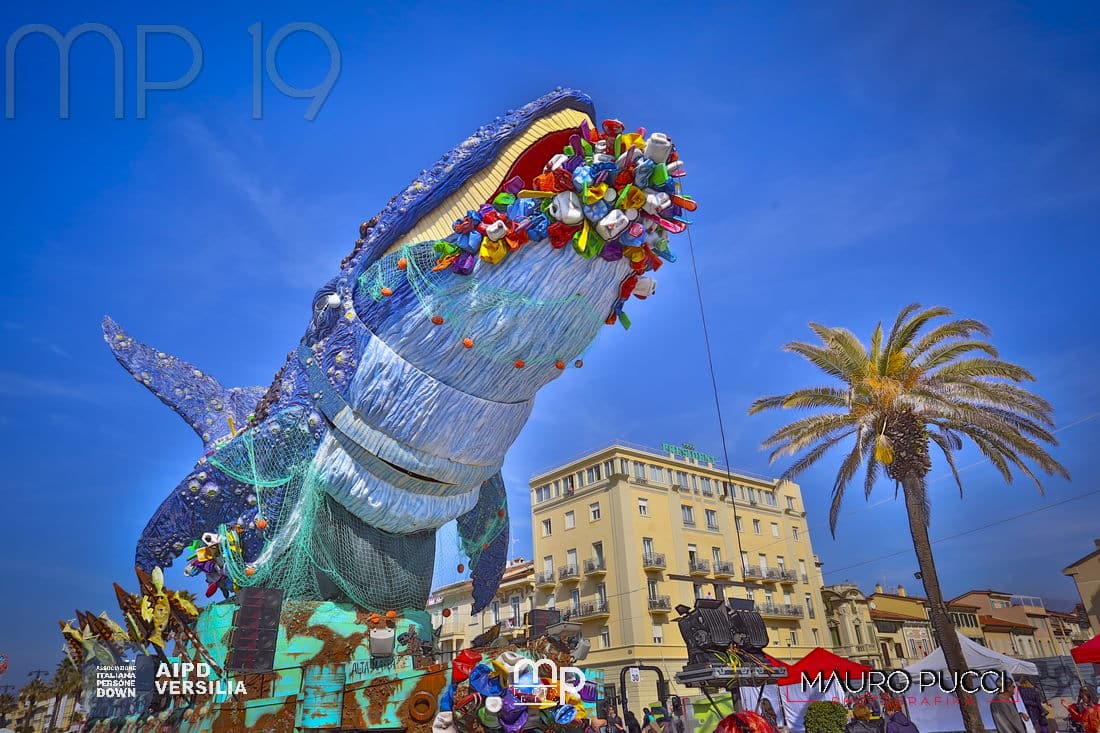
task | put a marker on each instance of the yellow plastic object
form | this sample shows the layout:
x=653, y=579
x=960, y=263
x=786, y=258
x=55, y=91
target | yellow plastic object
x=595, y=192
x=492, y=252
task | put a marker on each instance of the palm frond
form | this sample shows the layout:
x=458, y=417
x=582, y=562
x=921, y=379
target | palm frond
x=812, y=456
x=844, y=476
x=945, y=446
x=824, y=359
x=962, y=328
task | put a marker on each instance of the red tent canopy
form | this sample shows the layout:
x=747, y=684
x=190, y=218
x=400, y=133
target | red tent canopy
x=825, y=662
x=1087, y=652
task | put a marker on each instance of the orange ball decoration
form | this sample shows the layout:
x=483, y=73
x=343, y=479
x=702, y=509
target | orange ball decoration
x=437, y=320
x=402, y=263
x=461, y=568
x=520, y=363
x=261, y=523
x=559, y=364
x=500, y=513
x=250, y=571
x=391, y=614
x=386, y=292
x=468, y=342
x=446, y=613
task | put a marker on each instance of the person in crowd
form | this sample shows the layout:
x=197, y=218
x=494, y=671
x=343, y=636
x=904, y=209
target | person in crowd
x=861, y=721
x=1090, y=720
x=1032, y=698
x=897, y=721
x=1085, y=698
x=1002, y=707
x=632, y=725
x=767, y=710
x=649, y=722
x=614, y=722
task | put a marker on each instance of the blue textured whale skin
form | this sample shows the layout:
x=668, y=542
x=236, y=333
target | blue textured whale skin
x=403, y=427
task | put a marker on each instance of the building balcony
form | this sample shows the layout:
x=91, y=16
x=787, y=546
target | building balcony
x=545, y=579
x=660, y=604
x=780, y=610
x=512, y=626
x=699, y=567
x=592, y=609
x=787, y=576
x=679, y=487
x=597, y=566
x=569, y=574
x=654, y=561
x=724, y=569
x=753, y=573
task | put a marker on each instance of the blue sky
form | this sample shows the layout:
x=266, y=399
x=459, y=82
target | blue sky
x=850, y=159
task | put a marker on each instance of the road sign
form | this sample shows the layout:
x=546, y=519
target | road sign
x=635, y=674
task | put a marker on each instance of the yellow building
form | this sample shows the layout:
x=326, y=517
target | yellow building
x=902, y=626
x=1086, y=574
x=851, y=629
x=1020, y=610
x=625, y=534
x=450, y=608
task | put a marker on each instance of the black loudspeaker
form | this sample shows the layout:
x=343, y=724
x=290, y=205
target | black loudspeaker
x=539, y=620
x=255, y=630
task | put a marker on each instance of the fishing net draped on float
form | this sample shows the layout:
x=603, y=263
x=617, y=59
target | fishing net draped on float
x=302, y=537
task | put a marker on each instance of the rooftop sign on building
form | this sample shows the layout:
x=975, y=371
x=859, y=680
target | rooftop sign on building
x=687, y=450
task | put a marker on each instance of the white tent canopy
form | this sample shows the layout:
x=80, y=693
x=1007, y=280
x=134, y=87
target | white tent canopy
x=977, y=656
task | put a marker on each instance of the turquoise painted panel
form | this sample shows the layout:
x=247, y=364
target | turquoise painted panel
x=322, y=696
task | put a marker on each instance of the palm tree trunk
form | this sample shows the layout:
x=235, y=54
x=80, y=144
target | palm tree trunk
x=941, y=622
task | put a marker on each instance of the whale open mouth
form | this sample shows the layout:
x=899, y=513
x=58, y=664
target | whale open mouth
x=523, y=156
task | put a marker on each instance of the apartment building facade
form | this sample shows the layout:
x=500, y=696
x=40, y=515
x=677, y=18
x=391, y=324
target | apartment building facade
x=852, y=632
x=1022, y=611
x=451, y=608
x=625, y=534
x=1086, y=576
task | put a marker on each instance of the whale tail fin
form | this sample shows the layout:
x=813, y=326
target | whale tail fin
x=212, y=411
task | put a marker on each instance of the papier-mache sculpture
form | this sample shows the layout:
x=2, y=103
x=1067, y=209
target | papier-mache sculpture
x=475, y=287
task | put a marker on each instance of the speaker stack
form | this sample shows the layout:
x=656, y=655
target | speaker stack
x=255, y=630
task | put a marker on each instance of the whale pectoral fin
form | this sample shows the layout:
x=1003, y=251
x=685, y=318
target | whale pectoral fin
x=195, y=396
x=484, y=534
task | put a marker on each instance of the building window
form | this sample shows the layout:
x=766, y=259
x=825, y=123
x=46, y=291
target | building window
x=817, y=637
x=571, y=558
x=570, y=520
x=859, y=633
x=794, y=638
x=656, y=474
x=802, y=571
x=707, y=490
x=769, y=599
x=810, y=606
x=836, y=636
x=651, y=586
x=548, y=565
x=647, y=546
x=693, y=554
x=658, y=634
x=712, y=518
x=763, y=563
x=605, y=638
x=697, y=589
x=515, y=611
x=496, y=612
x=744, y=561
x=790, y=502
x=775, y=530
x=737, y=524
x=716, y=555
x=643, y=507
x=639, y=470
x=756, y=526
x=681, y=479
x=542, y=494
x=608, y=468
x=794, y=533
x=547, y=528
x=597, y=553
x=557, y=487
x=601, y=592
x=752, y=495
x=594, y=511
x=769, y=498
x=624, y=466
x=575, y=600
x=687, y=512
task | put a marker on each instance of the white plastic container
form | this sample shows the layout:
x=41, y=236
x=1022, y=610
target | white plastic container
x=382, y=642
x=658, y=147
x=496, y=231
x=645, y=287
x=566, y=208
x=656, y=202
x=613, y=224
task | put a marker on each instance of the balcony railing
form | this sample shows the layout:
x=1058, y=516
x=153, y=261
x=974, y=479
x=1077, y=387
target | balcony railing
x=545, y=578
x=587, y=610
x=569, y=572
x=689, y=521
x=699, y=567
x=660, y=603
x=724, y=568
x=753, y=573
x=784, y=610
x=654, y=561
x=595, y=566
x=786, y=576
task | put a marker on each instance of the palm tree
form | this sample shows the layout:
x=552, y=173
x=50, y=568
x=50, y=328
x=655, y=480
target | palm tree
x=66, y=682
x=31, y=693
x=8, y=705
x=926, y=384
